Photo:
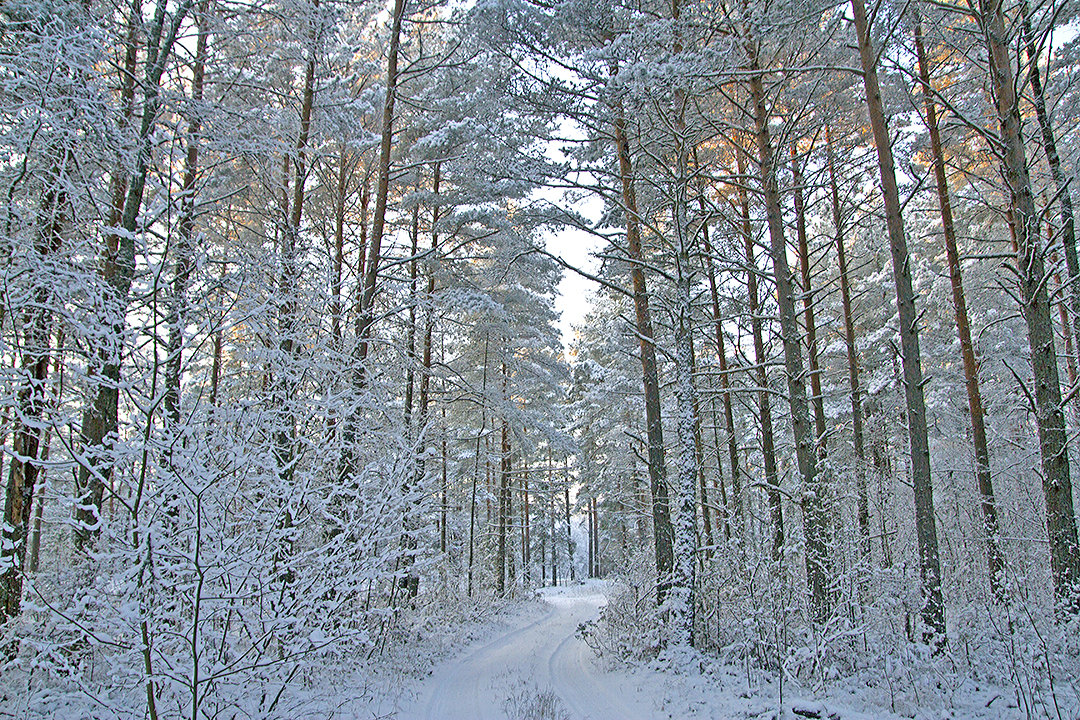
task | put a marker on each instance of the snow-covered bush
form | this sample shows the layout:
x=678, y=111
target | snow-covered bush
x=527, y=701
x=629, y=626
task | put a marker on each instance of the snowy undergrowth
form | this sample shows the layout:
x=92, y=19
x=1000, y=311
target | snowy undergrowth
x=758, y=655
x=66, y=668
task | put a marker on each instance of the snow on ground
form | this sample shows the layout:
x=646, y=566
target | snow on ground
x=534, y=666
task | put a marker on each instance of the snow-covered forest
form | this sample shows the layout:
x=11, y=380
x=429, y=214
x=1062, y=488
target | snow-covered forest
x=286, y=405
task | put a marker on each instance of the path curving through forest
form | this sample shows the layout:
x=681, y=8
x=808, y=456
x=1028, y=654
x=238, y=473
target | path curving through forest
x=542, y=657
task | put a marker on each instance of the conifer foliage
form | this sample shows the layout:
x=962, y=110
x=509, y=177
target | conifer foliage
x=281, y=375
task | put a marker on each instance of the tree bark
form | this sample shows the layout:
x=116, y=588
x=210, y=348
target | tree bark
x=382, y=193
x=27, y=448
x=768, y=444
x=699, y=459
x=476, y=466
x=551, y=521
x=725, y=389
x=414, y=431
x=185, y=229
x=816, y=399
x=569, y=533
x=983, y=480
x=1063, y=317
x=526, y=572
x=503, y=520
x=855, y=393
x=1053, y=441
x=685, y=492
x=341, y=190
x=369, y=270
x=425, y=367
x=933, y=611
x=1053, y=160
x=663, y=532
x=100, y=419
x=596, y=538
x=813, y=499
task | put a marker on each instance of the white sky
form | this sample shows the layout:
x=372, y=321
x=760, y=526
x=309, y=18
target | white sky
x=575, y=292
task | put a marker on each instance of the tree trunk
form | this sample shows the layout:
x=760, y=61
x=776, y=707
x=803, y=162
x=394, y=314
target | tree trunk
x=813, y=499
x=39, y=505
x=699, y=453
x=569, y=530
x=596, y=538
x=410, y=580
x=707, y=263
x=476, y=466
x=341, y=190
x=663, y=532
x=1063, y=316
x=502, y=561
x=382, y=193
x=551, y=521
x=1053, y=441
x=100, y=419
x=817, y=400
x=425, y=368
x=855, y=393
x=995, y=559
x=933, y=611
x=186, y=229
x=28, y=431
x=526, y=573
x=768, y=444
x=685, y=490
x=1053, y=160
x=725, y=389
x=361, y=254
x=369, y=270
x=543, y=510
x=591, y=554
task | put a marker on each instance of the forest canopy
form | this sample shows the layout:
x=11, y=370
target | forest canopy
x=282, y=382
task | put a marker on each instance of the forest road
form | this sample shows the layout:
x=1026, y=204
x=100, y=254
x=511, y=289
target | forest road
x=506, y=675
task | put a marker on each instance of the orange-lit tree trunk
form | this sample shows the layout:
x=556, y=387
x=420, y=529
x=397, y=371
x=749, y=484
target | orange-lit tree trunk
x=983, y=480
x=933, y=611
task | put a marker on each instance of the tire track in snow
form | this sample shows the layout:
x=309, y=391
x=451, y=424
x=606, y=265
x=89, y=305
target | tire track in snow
x=545, y=653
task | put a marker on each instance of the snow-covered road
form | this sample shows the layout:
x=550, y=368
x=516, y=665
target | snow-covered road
x=543, y=656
